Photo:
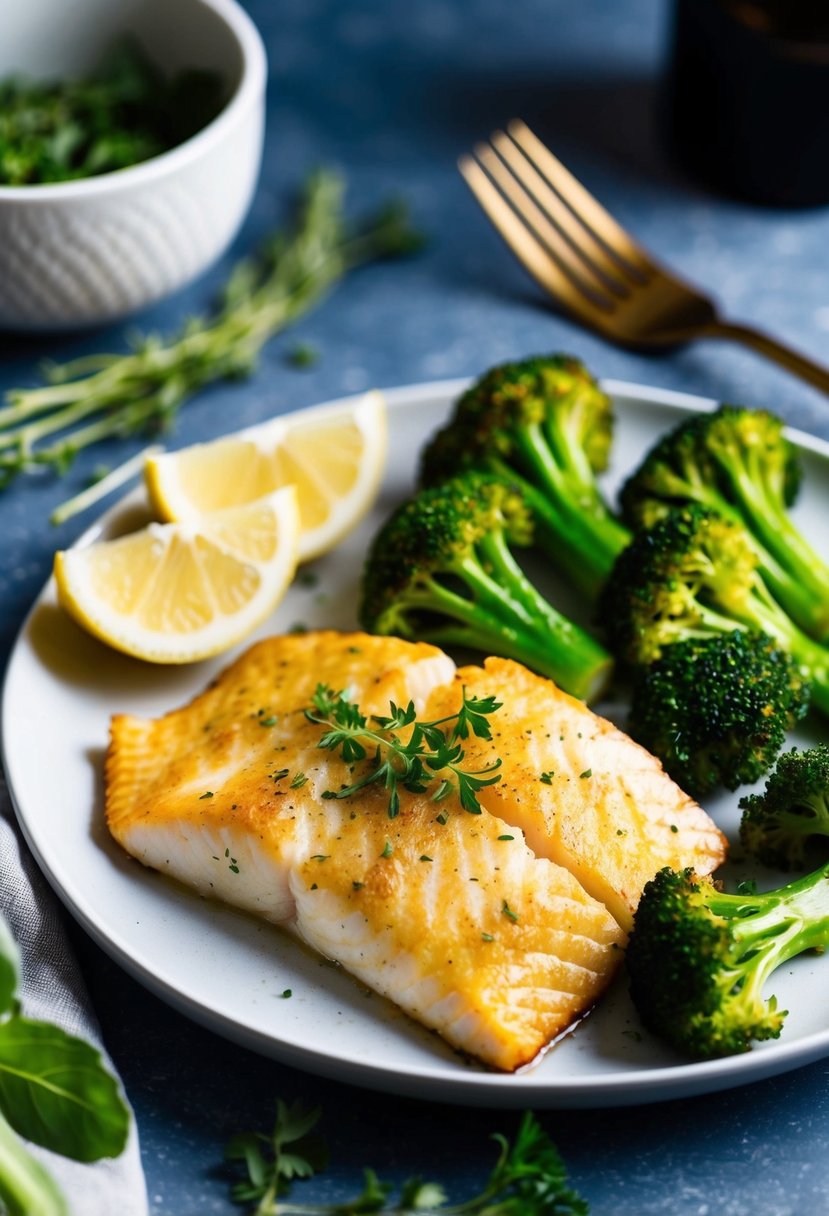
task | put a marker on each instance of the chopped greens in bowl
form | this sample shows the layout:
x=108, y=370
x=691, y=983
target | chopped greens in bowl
x=124, y=112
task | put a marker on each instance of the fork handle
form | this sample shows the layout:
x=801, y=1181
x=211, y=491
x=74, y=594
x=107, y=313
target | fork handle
x=778, y=352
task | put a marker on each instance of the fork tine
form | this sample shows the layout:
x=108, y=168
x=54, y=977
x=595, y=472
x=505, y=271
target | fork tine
x=581, y=270
x=582, y=238
x=529, y=251
x=580, y=201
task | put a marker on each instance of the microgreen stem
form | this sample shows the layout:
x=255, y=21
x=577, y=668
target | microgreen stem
x=98, y=397
x=101, y=488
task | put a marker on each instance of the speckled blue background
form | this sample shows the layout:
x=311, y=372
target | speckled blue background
x=392, y=93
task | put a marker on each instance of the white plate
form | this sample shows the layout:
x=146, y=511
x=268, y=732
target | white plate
x=229, y=971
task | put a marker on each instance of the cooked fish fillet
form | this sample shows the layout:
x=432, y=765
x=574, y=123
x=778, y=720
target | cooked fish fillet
x=584, y=794
x=449, y=914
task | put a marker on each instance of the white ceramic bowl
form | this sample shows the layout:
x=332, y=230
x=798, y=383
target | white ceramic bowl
x=81, y=252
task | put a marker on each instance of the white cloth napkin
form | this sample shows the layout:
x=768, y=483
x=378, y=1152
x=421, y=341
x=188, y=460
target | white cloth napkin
x=53, y=990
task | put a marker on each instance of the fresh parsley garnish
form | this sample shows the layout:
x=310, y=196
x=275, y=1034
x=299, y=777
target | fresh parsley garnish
x=529, y=1177
x=428, y=759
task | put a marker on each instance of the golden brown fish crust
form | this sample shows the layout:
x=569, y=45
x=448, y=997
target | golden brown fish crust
x=449, y=914
x=584, y=794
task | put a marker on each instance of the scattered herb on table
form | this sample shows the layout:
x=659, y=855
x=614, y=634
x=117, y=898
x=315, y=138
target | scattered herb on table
x=122, y=113
x=114, y=396
x=529, y=1177
x=430, y=757
x=54, y=1091
x=303, y=356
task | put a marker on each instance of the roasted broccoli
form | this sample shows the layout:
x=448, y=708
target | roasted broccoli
x=692, y=574
x=441, y=570
x=716, y=710
x=739, y=463
x=545, y=424
x=698, y=958
x=779, y=825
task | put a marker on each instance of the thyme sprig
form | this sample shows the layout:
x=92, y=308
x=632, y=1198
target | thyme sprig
x=429, y=757
x=115, y=396
x=529, y=1177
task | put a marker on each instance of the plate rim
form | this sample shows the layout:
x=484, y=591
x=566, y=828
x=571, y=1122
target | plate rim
x=635, y=1087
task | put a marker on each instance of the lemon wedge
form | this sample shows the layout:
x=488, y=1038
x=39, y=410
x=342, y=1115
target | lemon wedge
x=175, y=593
x=333, y=454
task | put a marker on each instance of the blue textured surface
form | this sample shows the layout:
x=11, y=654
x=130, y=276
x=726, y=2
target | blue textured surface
x=393, y=93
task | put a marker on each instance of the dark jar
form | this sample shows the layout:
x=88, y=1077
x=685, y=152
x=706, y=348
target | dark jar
x=748, y=97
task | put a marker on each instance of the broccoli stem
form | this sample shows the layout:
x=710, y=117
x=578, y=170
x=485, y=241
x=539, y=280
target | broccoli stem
x=765, y=614
x=773, y=927
x=497, y=623
x=583, y=534
x=795, y=572
x=790, y=590
x=586, y=569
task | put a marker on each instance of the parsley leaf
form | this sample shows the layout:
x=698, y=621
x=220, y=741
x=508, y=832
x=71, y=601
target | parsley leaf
x=529, y=1177
x=430, y=759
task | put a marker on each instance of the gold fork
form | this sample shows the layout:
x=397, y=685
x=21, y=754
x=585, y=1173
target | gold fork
x=578, y=253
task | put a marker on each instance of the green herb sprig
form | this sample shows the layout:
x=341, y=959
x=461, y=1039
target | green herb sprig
x=100, y=397
x=54, y=1091
x=430, y=757
x=529, y=1177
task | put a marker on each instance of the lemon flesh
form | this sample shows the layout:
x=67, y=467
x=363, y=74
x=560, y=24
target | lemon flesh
x=333, y=455
x=175, y=593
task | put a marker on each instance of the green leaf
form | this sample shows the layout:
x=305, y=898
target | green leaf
x=247, y=1147
x=26, y=1189
x=372, y=1198
x=9, y=967
x=421, y=1196
x=56, y=1091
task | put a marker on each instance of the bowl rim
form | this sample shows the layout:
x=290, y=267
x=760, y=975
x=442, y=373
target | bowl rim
x=250, y=87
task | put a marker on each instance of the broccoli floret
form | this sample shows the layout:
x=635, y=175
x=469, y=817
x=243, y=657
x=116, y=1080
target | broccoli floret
x=546, y=424
x=739, y=463
x=716, y=710
x=441, y=570
x=698, y=958
x=694, y=574
x=779, y=825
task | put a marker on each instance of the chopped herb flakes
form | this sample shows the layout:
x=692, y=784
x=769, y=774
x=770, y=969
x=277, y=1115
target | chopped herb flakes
x=547, y=777
x=287, y=993
x=588, y=772
x=506, y=837
x=487, y=937
x=298, y=780
x=208, y=794
x=320, y=856
x=425, y=857
x=508, y=912
x=269, y=721
x=387, y=849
